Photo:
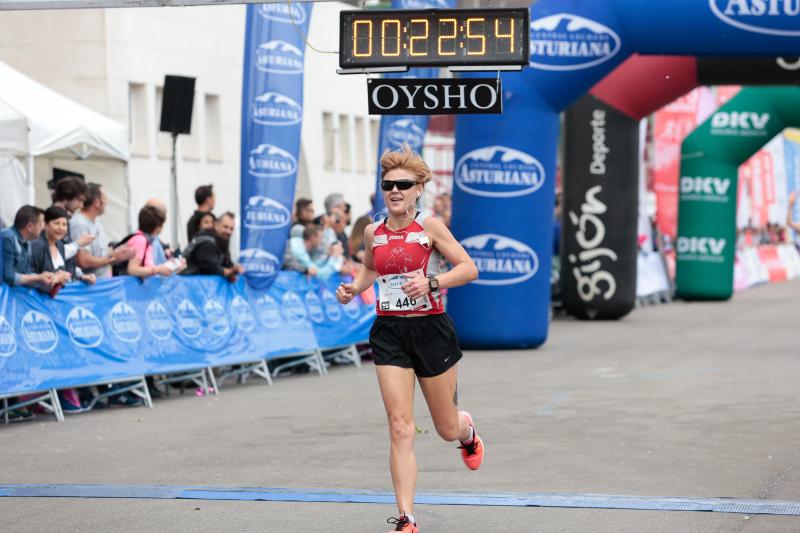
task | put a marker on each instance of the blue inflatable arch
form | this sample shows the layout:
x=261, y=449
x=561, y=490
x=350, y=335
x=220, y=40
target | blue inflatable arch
x=504, y=174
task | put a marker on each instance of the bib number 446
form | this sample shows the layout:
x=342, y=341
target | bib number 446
x=404, y=303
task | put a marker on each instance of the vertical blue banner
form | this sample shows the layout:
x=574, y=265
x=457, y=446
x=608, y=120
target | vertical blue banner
x=272, y=114
x=397, y=129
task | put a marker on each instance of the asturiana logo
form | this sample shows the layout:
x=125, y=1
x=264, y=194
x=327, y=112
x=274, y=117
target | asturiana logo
x=217, y=319
x=259, y=263
x=268, y=311
x=569, y=42
x=242, y=315
x=283, y=12
x=158, y=321
x=188, y=319
x=275, y=109
x=125, y=323
x=269, y=161
x=265, y=213
x=8, y=340
x=332, y=308
x=85, y=329
x=772, y=17
x=498, y=171
x=39, y=332
x=293, y=307
x=314, y=305
x=279, y=57
x=501, y=260
x=405, y=131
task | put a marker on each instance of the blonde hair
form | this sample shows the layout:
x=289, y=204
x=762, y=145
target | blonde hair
x=407, y=159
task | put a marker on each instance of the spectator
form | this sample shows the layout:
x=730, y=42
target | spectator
x=304, y=215
x=207, y=222
x=209, y=253
x=205, y=199
x=338, y=223
x=47, y=252
x=357, y=238
x=442, y=208
x=95, y=258
x=17, y=269
x=297, y=256
x=69, y=194
x=143, y=263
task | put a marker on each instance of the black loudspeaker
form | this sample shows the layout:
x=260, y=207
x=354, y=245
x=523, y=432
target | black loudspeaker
x=176, y=104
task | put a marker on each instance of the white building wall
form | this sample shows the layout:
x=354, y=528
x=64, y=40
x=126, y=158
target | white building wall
x=94, y=57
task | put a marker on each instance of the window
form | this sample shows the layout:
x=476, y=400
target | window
x=374, y=142
x=138, y=137
x=345, y=146
x=190, y=144
x=360, y=145
x=329, y=140
x=164, y=139
x=213, y=128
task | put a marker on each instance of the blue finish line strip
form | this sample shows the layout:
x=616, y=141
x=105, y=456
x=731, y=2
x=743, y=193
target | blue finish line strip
x=577, y=501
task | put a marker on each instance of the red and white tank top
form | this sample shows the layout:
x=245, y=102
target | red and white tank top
x=396, y=253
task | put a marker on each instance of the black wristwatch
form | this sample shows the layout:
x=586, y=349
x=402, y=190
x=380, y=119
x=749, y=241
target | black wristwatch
x=433, y=283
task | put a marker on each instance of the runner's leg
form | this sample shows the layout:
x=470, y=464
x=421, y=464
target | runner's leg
x=442, y=398
x=397, y=390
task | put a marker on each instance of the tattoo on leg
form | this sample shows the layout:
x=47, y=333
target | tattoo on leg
x=455, y=396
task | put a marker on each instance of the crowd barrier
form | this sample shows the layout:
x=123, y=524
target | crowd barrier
x=767, y=263
x=124, y=327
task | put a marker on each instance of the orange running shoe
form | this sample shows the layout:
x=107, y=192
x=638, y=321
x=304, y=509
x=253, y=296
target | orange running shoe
x=403, y=524
x=472, y=453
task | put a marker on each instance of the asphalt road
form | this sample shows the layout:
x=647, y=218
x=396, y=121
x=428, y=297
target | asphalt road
x=693, y=400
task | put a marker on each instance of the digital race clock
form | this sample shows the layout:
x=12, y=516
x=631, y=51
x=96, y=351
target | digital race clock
x=433, y=37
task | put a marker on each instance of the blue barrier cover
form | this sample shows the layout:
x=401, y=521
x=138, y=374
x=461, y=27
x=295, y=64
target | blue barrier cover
x=124, y=327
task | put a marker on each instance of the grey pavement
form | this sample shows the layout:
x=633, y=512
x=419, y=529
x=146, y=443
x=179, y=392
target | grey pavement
x=686, y=399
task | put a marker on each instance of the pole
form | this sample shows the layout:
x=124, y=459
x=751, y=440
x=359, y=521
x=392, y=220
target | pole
x=31, y=180
x=174, y=193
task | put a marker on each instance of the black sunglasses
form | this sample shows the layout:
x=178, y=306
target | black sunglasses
x=402, y=185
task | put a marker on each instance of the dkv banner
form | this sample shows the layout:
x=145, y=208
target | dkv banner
x=398, y=129
x=272, y=114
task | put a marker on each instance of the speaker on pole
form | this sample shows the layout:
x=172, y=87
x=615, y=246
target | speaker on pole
x=176, y=105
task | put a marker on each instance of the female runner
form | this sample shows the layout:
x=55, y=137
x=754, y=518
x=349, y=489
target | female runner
x=412, y=335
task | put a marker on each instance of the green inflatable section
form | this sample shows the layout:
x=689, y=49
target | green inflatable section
x=710, y=159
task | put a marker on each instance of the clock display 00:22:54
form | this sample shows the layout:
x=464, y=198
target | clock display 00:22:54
x=433, y=37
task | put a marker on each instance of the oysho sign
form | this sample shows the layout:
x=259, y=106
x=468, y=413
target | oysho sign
x=501, y=260
x=569, y=42
x=498, y=171
x=772, y=17
x=434, y=96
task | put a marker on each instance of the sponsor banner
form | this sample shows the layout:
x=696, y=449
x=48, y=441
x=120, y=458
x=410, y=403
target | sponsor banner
x=434, y=96
x=791, y=149
x=773, y=262
x=600, y=210
x=272, y=112
x=565, y=42
x=123, y=328
x=398, y=129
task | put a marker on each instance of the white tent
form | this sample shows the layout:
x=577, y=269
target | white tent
x=38, y=124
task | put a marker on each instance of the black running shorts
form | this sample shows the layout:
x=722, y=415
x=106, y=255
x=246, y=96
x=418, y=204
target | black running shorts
x=428, y=344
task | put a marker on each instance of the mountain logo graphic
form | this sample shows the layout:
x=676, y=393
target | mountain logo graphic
x=158, y=321
x=279, y=57
x=242, y=314
x=85, y=329
x=501, y=260
x=771, y=17
x=267, y=310
x=217, y=318
x=405, y=131
x=188, y=318
x=265, y=213
x=39, y=332
x=283, y=13
x=275, y=109
x=314, y=305
x=332, y=308
x=293, y=308
x=569, y=42
x=259, y=263
x=498, y=172
x=8, y=339
x=269, y=161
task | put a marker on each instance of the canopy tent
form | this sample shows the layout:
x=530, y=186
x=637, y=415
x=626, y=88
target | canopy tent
x=36, y=122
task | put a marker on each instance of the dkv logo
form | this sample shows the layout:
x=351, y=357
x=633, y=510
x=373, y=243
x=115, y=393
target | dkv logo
x=501, y=260
x=740, y=123
x=498, y=171
x=709, y=189
x=279, y=57
x=259, y=263
x=8, y=340
x=265, y=213
x=314, y=305
x=268, y=311
x=706, y=249
x=772, y=17
x=283, y=13
x=158, y=321
x=85, y=329
x=405, y=131
x=39, y=332
x=275, y=109
x=570, y=42
x=269, y=161
x=125, y=323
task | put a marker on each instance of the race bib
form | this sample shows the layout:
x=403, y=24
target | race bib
x=392, y=298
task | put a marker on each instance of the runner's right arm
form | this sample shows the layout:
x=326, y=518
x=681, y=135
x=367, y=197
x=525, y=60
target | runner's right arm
x=366, y=274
